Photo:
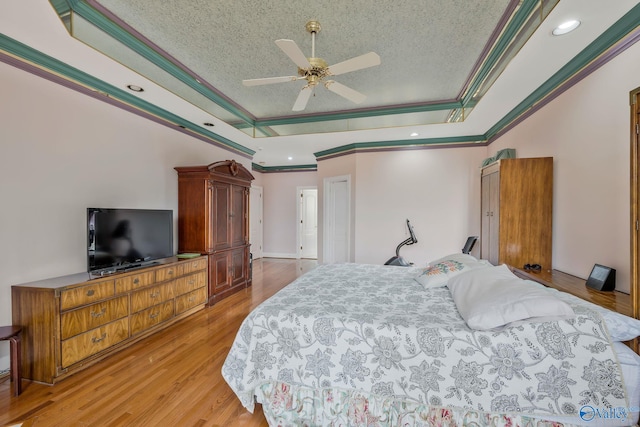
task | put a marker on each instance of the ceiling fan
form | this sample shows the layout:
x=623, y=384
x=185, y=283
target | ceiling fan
x=315, y=70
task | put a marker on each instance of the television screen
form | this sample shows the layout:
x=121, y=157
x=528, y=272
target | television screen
x=120, y=239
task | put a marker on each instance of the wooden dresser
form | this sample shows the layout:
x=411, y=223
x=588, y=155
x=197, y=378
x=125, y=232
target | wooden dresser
x=71, y=322
x=213, y=219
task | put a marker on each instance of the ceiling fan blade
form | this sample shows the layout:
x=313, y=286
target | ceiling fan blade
x=293, y=51
x=303, y=98
x=269, y=80
x=358, y=63
x=345, y=91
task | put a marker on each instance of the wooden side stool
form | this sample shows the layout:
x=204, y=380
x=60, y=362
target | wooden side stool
x=13, y=334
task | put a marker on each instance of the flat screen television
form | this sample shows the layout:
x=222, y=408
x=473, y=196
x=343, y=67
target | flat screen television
x=123, y=239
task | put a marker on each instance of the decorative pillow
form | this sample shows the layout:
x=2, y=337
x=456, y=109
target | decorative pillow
x=459, y=257
x=437, y=275
x=491, y=297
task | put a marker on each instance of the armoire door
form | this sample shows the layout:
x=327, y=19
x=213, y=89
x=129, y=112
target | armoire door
x=220, y=215
x=490, y=201
x=238, y=216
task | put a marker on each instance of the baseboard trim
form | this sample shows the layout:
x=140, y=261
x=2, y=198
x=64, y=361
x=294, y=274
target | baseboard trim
x=278, y=255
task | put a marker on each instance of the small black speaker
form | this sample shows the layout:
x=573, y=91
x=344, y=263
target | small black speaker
x=602, y=278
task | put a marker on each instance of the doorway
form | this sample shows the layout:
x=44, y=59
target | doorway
x=337, y=220
x=307, y=222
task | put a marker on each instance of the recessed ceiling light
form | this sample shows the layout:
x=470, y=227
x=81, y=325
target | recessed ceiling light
x=566, y=27
x=135, y=88
x=290, y=158
x=415, y=134
x=208, y=124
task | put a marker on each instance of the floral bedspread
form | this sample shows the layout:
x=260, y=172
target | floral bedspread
x=351, y=342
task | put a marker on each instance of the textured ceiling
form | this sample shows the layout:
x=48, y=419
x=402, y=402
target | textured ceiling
x=428, y=48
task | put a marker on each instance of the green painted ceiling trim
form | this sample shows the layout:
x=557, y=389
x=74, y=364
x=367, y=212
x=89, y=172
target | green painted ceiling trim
x=61, y=6
x=448, y=105
x=20, y=50
x=512, y=30
x=401, y=143
x=118, y=33
x=610, y=37
x=293, y=168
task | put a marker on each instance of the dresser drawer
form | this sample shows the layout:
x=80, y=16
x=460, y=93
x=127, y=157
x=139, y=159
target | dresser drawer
x=135, y=281
x=154, y=295
x=86, y=294
x=195, y=265
x=190, y=300
x=82, y=346
x=81, y=320
x=189, y=283
x=169, y=273
x=143, y=320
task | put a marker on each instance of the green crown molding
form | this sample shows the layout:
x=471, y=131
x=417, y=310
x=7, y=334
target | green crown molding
x=93, y=16
x=510, y=33
x=292, y=168
x=323, y=117
x=616, y=33
x=414, y=143
x=623, y=27
x=89, y=13
x=67, y=72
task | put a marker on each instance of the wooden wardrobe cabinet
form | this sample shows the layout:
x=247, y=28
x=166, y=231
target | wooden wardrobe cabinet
x=213, y=219
x=516, y=205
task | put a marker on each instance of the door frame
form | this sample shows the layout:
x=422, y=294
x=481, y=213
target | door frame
x=252, y=211
x=328, y=222
x=634, y=100
x=299, y=233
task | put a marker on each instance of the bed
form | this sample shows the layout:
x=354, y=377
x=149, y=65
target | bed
x=354, y=344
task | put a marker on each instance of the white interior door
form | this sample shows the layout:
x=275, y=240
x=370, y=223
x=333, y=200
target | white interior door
x=337, y=242
x=308, y=222
x=255, y=221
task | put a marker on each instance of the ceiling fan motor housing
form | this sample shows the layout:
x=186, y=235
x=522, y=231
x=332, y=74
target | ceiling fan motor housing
x=318, y=70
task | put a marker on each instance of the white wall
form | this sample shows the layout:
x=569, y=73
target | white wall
x=61, y=152
x=438, y=190
x=586, y=130
x=280, y=200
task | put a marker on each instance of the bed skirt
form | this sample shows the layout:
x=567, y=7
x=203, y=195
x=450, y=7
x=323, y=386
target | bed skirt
x=292, y=405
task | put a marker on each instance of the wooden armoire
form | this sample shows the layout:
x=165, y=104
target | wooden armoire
x=213, y=219
x=516, y=205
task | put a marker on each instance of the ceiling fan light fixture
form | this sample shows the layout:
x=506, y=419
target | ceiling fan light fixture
x=566, y=27
x=315, y=70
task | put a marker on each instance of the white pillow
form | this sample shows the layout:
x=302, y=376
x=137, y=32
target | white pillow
x=491, y=297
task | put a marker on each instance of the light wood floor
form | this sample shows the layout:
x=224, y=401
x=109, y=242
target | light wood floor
x=169, y=379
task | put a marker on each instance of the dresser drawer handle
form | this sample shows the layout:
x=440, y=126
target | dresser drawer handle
x=155, y=294
x=192, y=299
x=192, y=281
x=136, y=281
x=96, y=340
x=170, y=272
x=90, y=292
x=96, y=314
x=154, y=315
